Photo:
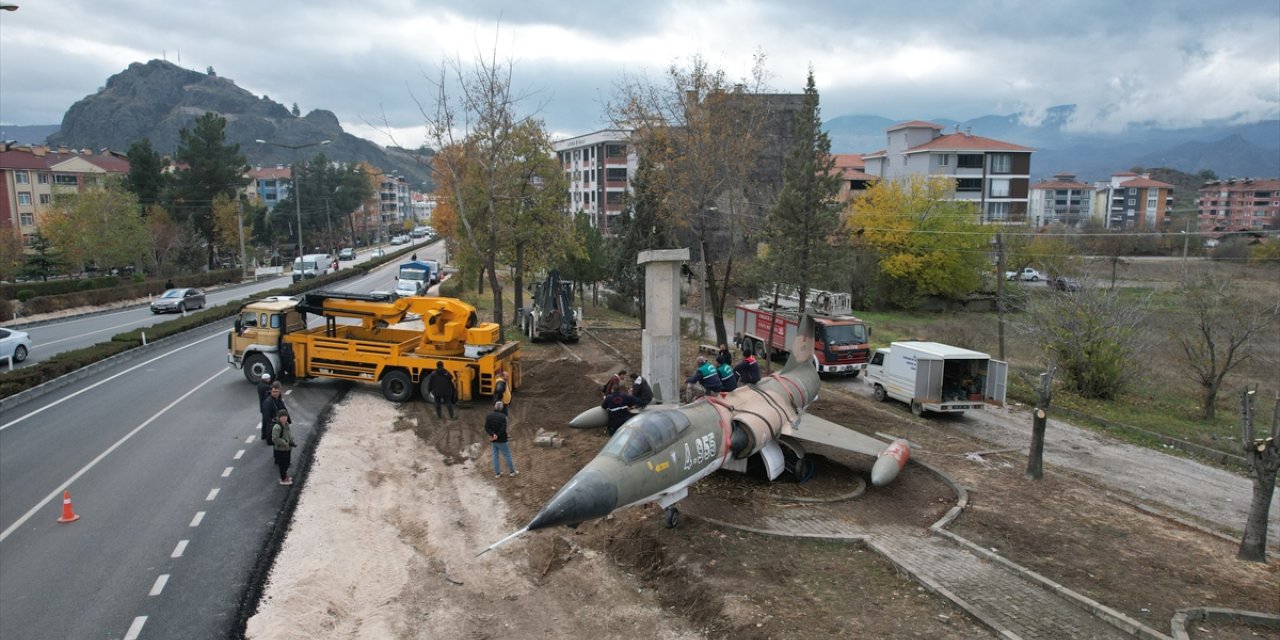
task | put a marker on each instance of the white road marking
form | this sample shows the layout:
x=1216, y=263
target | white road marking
x=195, y=522
x=180, y=549
x=239, y=454
x=158, y=587
x=57, y=493
x=135, y=629
x=102, y=382
x=249, y=440
x=226, y=473
x=212, y=495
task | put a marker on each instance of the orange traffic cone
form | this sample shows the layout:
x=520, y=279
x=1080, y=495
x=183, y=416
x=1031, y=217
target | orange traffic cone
x=67, y=514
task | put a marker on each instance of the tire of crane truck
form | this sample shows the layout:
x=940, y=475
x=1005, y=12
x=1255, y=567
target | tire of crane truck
x=255, y=365
x=397, y=386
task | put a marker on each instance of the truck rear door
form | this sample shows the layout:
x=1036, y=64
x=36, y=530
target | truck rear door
x=928, y=380
x=997, y=382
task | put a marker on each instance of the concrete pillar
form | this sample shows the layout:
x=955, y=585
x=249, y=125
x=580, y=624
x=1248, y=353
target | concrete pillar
x=660, y=341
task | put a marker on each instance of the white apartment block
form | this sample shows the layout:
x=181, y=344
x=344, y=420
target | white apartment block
x=993, y=174
x=598, y=168
x=1062, y=200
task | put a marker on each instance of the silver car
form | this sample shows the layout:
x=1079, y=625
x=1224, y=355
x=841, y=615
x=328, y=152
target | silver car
x=178, y=301
x=14, y=345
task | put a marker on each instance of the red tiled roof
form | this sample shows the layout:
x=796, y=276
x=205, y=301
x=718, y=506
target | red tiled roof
x=1145, y=182
x=875, y=154
x=967, y=142
x=1270, y=184
x=914, y=124
x=1123, y=174
x=23, y=158
x=848, y=160
x=854, y=174
x=271, y=173
x=109, y=163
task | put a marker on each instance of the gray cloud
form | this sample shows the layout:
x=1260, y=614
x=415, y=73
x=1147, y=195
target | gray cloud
x=1175, y=63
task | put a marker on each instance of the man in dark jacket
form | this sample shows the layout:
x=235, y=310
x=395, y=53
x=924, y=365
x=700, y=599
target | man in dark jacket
x=264, y=388
x=723, y=356
x=641, y=391
x=495, y=424
x=748, y=370
x=617, y=405
x=271, y=407
x=614, y=383
x=440, y=384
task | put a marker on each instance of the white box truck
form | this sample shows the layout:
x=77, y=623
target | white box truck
x=930, y=376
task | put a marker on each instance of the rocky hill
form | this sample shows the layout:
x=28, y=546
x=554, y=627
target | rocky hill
x=157, y=99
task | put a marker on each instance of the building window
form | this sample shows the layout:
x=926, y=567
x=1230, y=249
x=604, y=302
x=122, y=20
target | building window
x=944, y=160
x=45, y=198
x=42, y=178
x=24, y=197
x=64, y=179
x=615, y=151
x=613, y=197
x=969, y=161
x=27, y=219
x=1132, y=202
x=1000, y=188
x=997, y=210
x=28, y=239
x=1001, y=163
x=21, y=177
x=1133, y=191
x=614, y=175
x=968, y=184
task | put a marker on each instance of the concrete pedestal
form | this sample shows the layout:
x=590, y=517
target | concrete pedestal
x=660, y=341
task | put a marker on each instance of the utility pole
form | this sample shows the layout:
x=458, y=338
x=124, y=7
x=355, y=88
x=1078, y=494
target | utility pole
x=1000, y=291
x=1186, y=237
x=244, y=263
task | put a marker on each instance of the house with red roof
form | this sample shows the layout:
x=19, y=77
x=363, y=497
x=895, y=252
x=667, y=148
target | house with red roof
x=1239, y=205
x=1133, y=201
x=993, y=174
x=852, y=171
x=32, y=175
x=1062, y=200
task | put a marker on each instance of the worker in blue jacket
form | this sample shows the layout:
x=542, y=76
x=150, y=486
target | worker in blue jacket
x=707, y=376
x=728, y=377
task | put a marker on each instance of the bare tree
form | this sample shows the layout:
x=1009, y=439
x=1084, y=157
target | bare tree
x=706, y=132
x=1222, y=322
x=1264, y=460
x=474, y=124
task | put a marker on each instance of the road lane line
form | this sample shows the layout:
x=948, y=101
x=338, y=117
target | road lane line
x=212, y=495
x=57, y=493
x=135, y=629
x=249, y=440
x=89, y=333
x=226, y=473
x=239, y=454
x=102, y=382
x=180, y=549
x=158, y=587
x=195, y=522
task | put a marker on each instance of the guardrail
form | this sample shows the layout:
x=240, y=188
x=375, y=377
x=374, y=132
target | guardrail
x=267, y=272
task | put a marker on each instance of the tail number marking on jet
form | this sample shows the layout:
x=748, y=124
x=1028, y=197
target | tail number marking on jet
x=704, y=449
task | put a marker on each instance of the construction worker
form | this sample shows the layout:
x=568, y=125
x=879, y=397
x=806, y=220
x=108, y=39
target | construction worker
x=707, y=376
x=614, y=383
x=728, y=377
x=618, y=405
x=723, y=356
x=748, y=370
x=641, y=391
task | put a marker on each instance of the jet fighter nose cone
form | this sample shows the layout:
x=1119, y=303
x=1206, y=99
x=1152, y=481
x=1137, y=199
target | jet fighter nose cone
x=588, y=495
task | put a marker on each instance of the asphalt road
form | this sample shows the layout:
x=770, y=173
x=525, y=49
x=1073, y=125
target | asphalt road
x=177, y=496
x=51, y=338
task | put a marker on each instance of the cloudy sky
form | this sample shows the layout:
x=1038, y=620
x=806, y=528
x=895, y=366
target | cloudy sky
x=1174, y=62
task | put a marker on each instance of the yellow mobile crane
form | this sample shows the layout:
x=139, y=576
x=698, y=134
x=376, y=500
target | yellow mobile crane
x=271, y=336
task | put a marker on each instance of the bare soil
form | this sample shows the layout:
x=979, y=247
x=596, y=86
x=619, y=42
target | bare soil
x=398, y=502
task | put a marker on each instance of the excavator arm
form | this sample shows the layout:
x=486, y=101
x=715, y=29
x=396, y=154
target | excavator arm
x=449, y=324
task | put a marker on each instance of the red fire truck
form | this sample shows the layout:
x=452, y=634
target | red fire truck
x=840, y=339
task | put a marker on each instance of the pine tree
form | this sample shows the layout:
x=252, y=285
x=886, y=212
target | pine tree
x=146, y=173
x=210, y=167
x=804, y=222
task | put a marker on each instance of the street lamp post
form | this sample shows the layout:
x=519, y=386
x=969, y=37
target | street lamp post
x=297, y=193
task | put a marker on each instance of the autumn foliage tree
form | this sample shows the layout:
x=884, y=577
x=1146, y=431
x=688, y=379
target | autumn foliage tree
x=928, y=244
x=97, y=227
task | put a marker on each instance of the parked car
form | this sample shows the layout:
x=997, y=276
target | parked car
x=1026, y=274
x=178, y=301
x=377, y=252
x=347, y=254
x=14, y=345
x=1062, y=283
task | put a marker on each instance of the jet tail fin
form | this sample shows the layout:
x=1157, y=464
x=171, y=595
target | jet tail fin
x=801, y=344
x=502, y=541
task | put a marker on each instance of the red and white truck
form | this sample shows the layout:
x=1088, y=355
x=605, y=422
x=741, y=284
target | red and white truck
x=840, y=338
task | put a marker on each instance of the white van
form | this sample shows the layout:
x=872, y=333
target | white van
x=312, y=265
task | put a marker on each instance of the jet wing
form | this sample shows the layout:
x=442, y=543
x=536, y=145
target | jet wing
x=815, y=429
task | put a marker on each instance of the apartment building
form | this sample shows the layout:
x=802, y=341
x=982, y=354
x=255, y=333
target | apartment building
x=270, y=185
x=993, y=174
x=31, y=176
x=1239, y=205
x=598, y=168
x=1133, y=201
x=1062, y=200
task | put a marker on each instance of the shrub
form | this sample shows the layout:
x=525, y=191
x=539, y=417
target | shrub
x=26, y=294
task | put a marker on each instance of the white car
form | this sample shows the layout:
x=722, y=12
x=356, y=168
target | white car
x=14, y=345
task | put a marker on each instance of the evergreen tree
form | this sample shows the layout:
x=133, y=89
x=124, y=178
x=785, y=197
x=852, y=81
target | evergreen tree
x=44, y=261
x=804, y=222
x=295, y=110
x=146, y=173
x=210, y=167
